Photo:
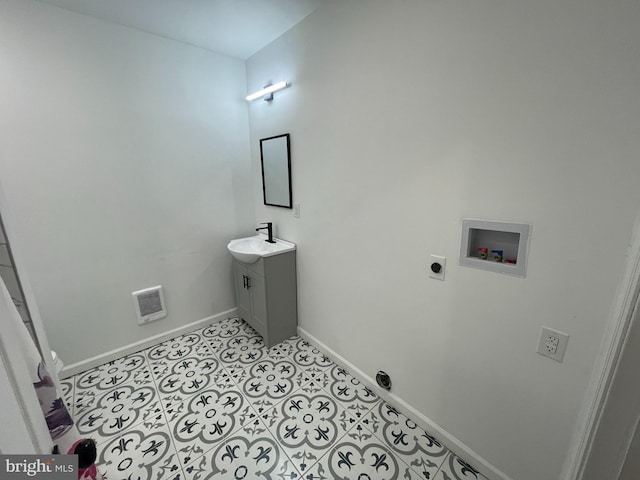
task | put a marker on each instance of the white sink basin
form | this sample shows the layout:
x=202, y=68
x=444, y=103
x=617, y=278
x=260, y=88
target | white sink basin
x=250, y=249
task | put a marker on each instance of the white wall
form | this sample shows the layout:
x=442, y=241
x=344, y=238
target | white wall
x=406, y=117
x=125, y=160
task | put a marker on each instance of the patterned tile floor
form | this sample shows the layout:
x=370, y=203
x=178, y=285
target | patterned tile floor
x=217, y=404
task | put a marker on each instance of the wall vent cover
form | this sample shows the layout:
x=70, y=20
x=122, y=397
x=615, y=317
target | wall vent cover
x=149, y=304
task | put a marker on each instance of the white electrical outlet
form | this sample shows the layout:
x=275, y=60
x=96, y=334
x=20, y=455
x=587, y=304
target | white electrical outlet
x=552, y=343
x=296, y=210
x=436, y=266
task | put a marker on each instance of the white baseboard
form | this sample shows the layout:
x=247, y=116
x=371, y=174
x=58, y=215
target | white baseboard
x=106, y=357
x=448, y=440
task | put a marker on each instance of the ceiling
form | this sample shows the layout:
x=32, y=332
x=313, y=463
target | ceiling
x=238, y=28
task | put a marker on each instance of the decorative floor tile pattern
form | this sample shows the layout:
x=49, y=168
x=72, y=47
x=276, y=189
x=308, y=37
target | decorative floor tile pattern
x=357, y=459
x=355, y=397
x=307, y=424
x=207, y=419
x=270, y=379
x=132, y=368
x=409, y=442
x=117, y=410
x=67, y=394
x=144, y=452
x=179, y=348
x=454, y=468
x=217, y=404
x=247, y=454
x=185, y=376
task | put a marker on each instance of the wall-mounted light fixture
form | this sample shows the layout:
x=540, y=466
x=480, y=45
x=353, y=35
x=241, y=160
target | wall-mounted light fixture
x=267, y=92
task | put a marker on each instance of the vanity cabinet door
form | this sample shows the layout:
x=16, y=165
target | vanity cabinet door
x=266, y=296
x=251, y=298
x=243, y=297
x=258, y=293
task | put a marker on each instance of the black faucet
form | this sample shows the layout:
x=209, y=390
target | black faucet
x=269, y=229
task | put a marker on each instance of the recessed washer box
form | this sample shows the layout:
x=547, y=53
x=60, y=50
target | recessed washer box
x=512, y=239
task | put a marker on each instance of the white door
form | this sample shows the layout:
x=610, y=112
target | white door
x=631, y=468
x=14, y=436
x=620, y=415
x=24, y=430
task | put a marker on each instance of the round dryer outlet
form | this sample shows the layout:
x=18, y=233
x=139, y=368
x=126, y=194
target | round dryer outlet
x=384, y=380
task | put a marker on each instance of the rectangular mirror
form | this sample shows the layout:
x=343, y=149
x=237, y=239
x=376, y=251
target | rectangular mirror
x=276, y=171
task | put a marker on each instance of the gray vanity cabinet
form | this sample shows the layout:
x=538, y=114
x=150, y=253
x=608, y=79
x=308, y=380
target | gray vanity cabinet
x=266, y=295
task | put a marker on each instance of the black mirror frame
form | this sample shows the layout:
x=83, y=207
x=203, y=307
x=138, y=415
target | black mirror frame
x=264, y=190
